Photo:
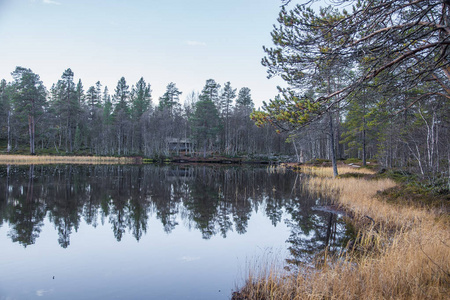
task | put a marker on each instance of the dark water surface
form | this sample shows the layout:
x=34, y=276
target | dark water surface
x=149, y=232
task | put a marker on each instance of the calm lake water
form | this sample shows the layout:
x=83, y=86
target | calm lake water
x=150, y=232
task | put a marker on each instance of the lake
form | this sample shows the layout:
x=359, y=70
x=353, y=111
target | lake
x=151, y=232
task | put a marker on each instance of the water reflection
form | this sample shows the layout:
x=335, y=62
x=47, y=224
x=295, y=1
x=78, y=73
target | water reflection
x=212, y=200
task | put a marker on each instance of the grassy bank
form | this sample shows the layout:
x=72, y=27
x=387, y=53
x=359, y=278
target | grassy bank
x=50, y=159
x=401, y=252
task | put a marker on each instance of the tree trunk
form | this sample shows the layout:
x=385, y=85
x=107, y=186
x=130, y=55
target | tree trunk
x=69, y=122
x=119, y=141
x=70, y=140
x=338, y=133
x=8, y=149
x=332, y=146
x=227, y=142
x=31, y=133
x=448, y=163
x=364, y=156
x=364, y=145
x=67, y=134
x=296, y=151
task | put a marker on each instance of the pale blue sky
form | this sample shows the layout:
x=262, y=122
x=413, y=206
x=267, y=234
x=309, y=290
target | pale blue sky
x=183, y=41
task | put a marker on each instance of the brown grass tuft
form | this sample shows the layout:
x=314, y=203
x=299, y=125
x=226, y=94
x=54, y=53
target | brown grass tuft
x=328, y=172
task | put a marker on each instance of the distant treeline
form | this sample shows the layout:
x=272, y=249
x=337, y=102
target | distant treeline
x=68, y=118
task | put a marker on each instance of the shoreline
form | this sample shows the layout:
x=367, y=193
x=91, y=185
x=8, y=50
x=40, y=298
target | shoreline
x=72, y=159
x=401, y=251
x=53, y=159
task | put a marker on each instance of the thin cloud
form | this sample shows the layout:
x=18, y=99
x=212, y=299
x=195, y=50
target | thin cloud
x=195, y=43
x=189, y=258
x=41, y=293
x=51, y=2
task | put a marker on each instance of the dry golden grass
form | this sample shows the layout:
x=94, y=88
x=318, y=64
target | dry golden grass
x=403, y=254
x=34, y=159
x=328, y=172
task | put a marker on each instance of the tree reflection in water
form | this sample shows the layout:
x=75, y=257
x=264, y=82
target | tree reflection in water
x=25, y=213
x=313, y=228
x=213, y=200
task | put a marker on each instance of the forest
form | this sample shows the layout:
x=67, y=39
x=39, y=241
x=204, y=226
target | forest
x=371, y=79
x=389, y=126
x=69, y=119
x=381, y=96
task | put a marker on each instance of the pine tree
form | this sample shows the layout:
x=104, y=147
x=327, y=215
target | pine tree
x=141, y=99
x=205, y=119
x=98, y=91
x=140, y=103
x=122, y=115
x=244, y=98
x=80, y=92
x=170, y=99
x=300, y=58
x=5, y=111
x=107, y=107
x=29, y=97
x=227, y=96
x=69, y=107
x=211, y=92
x=121, y=97
x=93, y=102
